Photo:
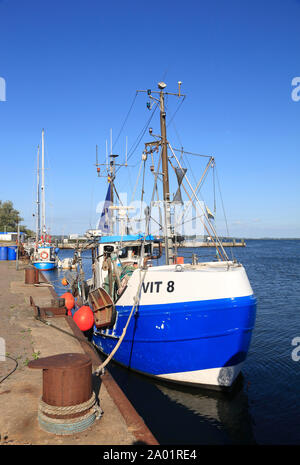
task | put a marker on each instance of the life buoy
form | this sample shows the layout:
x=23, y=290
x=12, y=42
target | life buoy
x=44, y=255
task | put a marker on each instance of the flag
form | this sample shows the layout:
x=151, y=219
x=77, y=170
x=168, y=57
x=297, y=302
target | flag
x=209, y=213
x=105, y=219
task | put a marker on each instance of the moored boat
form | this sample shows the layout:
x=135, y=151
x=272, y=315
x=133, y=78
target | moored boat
x=187, y=323
x=44, y=254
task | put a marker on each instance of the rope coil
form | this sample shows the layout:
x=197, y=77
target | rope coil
x=69, y=409
x=64, y=426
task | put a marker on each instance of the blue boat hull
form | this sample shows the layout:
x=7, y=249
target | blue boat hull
x=45, y=265
x=186, y=337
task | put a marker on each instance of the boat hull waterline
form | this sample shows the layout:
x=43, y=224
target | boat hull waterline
x=45, y=265
x=200, y=341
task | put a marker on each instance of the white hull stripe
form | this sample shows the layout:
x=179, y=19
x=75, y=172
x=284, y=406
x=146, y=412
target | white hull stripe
x=223, y=376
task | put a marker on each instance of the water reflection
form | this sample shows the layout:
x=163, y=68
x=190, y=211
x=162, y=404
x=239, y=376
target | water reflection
x=229, y=412
x=183, y=415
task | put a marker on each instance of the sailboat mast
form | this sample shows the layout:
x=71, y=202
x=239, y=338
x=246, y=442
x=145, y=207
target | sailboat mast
x=38, y=221
x=166, y=188
x=43, y=187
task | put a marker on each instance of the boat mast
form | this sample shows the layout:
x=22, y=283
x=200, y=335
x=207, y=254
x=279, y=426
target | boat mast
x=165, y=170
x=169, y=253
x=38, y=221
x=112, y=176
x=43, y=188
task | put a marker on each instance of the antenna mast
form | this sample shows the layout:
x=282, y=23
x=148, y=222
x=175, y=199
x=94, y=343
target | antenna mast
x=38, y=221
x=43, y=187
x=110, y=173
x=164, y=155
x=165, y=171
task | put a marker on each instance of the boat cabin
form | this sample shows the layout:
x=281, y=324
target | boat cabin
x=116, y=257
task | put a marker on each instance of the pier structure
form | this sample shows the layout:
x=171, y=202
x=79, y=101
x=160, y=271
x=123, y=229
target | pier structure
x=25, y=338
x=225, y=243
x=184, y=244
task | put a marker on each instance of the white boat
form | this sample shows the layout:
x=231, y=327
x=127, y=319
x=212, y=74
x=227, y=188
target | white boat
x=66, y=264
x=187, y=323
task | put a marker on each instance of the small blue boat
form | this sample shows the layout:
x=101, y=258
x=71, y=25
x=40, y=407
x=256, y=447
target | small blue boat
x=44, y=258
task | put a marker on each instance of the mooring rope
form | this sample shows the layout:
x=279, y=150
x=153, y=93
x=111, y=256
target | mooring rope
x=99, y=370
x=69, y=409
x=68, y=426
x=63, y=426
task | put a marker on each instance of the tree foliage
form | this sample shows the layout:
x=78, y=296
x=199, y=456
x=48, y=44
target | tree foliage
x=10, y=217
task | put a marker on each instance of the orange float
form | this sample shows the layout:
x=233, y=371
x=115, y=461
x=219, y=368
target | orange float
x=69, y=300
x=84, y=318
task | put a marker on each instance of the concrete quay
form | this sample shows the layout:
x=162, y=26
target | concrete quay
x=26, y=339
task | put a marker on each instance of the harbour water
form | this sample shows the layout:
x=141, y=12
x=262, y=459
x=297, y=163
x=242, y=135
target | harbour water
x=264, y=407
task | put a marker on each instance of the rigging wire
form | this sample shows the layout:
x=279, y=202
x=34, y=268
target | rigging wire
x=190, y=168
x=213, y=232
x=192, y=153
x=177, y=134
x=225, y=218
x=214, y=188
x=177, y=109
x=139, y=138
x=143, y=191
x=136, y=183
x=125, y=120
x=197, y=191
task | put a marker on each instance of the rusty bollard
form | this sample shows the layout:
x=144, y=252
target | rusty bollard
x=31, y=275
x=68, y=404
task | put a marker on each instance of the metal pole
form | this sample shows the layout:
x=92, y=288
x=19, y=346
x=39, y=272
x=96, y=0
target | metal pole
x=43, y=188
x=166, y=189
x=18, y=239
x=106, y=160
x=38, y=221
x=112, y=176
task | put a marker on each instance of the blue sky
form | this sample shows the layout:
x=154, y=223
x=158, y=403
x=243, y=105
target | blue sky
x=73, y=67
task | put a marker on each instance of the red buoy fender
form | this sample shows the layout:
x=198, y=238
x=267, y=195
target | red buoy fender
x=69, y=300
x=84, y=318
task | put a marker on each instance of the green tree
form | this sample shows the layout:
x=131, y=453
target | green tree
x=9, y=217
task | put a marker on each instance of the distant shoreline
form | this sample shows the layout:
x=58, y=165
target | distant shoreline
x=272, y=238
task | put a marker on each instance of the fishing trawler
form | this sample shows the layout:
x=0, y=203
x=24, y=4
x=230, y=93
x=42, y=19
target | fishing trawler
x=44, y=254
x=187, y=323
